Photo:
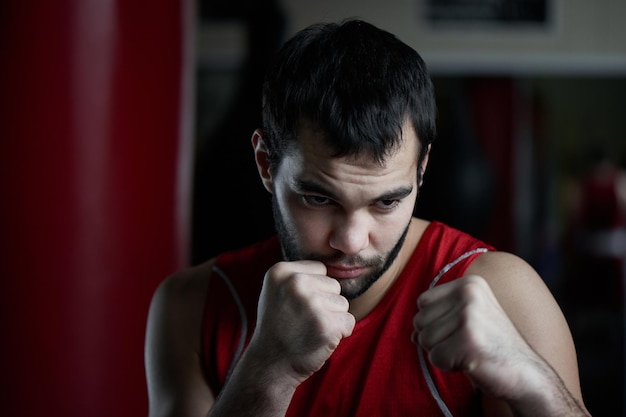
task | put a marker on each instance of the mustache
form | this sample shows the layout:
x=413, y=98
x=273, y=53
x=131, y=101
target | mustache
x=347, y=260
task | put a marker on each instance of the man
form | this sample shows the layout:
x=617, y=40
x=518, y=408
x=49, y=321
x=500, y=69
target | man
x=357, y=308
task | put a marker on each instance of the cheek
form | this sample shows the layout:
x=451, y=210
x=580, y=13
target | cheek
x=313, y=227
x=310, y=226
x=389, y=229
x=385, y=235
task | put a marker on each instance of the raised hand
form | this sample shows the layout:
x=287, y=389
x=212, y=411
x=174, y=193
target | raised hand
x=301, y=320
x=463, y=327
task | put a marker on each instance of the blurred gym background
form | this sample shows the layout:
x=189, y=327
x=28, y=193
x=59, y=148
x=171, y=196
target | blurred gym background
x=125, y=155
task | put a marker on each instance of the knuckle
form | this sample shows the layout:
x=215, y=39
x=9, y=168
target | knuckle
x=471, y=289
x=276, y=273
x=418, y=323
x=296, y=283
x=477, y=281
x=336, y=286
x=345, y=324
x=429, y=339
x=351, y=321
x=341, y=302
x=423, y=340
x=279, y=268
x=422, y=300
x=316, y=302
x=439, y=358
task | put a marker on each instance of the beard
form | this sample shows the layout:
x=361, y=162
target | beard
x=350, y=288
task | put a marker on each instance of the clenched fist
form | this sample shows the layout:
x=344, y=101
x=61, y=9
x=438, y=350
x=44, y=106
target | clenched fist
x=301, y=319
x=464, y=328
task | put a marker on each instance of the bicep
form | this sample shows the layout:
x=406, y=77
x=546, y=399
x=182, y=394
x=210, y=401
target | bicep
x=176, y=385
x=533, y=310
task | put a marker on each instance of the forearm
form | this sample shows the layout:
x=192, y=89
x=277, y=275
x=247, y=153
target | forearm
x=253, y=391
x=548, y=399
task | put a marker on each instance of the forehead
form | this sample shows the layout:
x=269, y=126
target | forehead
x=312, y=160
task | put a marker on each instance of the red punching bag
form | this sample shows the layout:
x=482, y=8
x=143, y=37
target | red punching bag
x=95, y=138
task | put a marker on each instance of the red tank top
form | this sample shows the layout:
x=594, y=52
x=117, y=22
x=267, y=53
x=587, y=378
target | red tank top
x=377, y=371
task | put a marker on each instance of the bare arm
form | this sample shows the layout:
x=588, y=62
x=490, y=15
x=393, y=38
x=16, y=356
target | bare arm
x=501, y=325
x=176, y=386
x=254, y=390
x=531, y=307
x=301, y=320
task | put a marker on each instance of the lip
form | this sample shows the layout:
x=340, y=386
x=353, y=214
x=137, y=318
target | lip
x=343, y=272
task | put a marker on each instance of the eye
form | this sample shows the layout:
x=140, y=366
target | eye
x=315, y=200
x=387, y=204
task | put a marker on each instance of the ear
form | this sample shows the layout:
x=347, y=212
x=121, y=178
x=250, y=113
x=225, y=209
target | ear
x=261, y=156
x=422, y=168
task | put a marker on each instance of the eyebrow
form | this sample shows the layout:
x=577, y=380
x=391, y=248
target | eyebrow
x=397, y=194
x=305, y=186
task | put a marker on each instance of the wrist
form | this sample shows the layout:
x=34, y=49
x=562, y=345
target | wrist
x=255, y=389
x=268, y=370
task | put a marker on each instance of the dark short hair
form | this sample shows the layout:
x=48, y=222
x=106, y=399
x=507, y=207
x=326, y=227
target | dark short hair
x=357, y=83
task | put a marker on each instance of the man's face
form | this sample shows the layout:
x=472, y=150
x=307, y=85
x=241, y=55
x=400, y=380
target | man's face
x=350, y=213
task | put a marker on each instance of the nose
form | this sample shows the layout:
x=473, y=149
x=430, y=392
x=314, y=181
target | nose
x=350, y=234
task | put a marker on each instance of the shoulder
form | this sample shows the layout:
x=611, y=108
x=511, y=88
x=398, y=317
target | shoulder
x=511, y=278
x=177, y=305
x=184, y=288
x=518, y=287
x=497, y=262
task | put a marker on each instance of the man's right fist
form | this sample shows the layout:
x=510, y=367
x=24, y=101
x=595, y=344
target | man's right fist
x=302, y=318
